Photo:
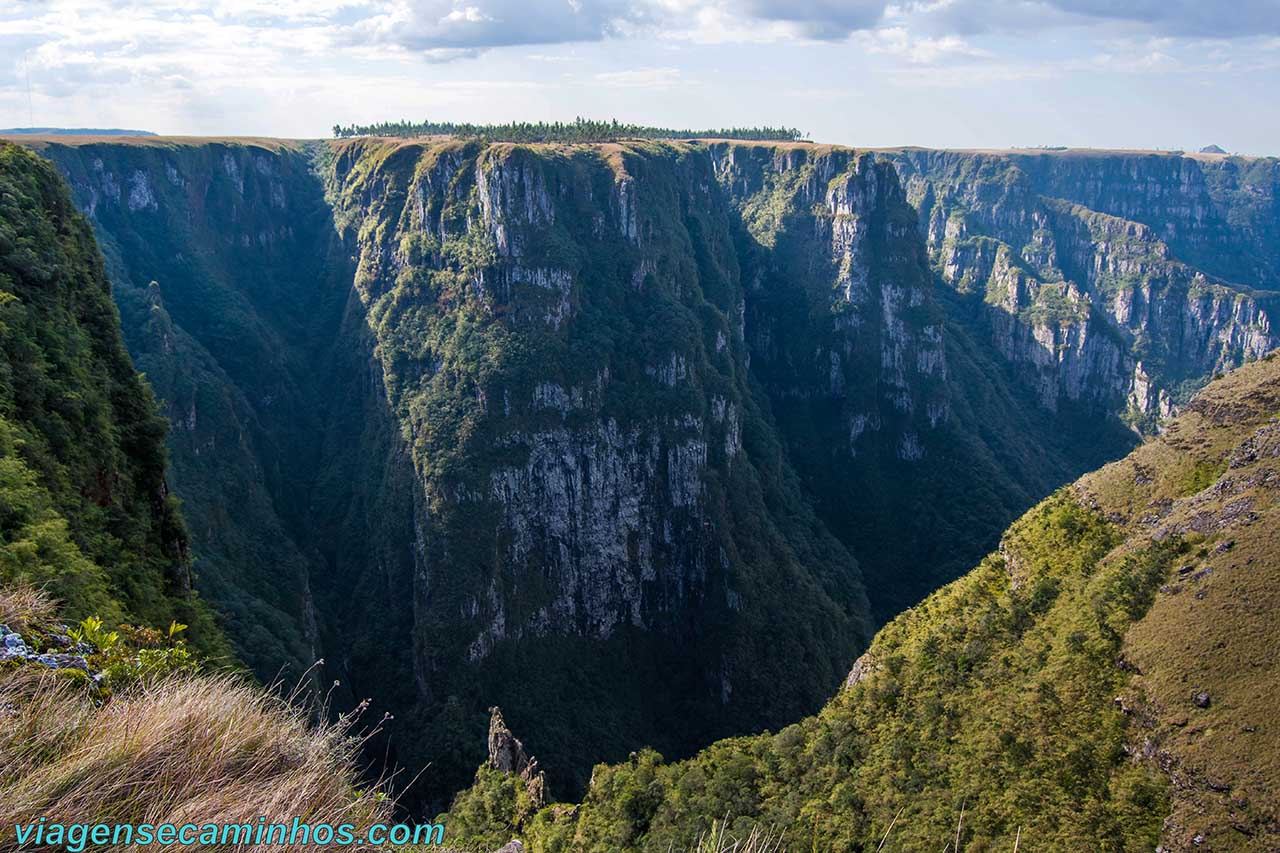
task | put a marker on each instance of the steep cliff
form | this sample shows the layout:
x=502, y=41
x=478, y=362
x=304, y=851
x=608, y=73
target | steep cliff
x=610, y=541
x=836, y=282
x=1219, y=213
x=910, y=435
x=636, y=440
x=1103, y=681
x=1082, y=263
x=85, y=512
x=217, y=255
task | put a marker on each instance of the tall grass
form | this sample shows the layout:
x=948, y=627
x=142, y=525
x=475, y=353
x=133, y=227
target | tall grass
x=721, y=840
x=21, y=607
x=185, y=749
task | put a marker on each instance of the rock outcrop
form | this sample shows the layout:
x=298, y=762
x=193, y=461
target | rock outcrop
x=507, y=755
x=1082, y=263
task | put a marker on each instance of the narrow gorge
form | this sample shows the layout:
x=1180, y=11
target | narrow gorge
x=641, y=441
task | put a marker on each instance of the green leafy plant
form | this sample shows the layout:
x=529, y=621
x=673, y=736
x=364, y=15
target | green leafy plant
x=91, y=631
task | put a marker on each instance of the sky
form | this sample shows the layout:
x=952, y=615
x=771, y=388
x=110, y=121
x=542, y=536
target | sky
x=1171, y=74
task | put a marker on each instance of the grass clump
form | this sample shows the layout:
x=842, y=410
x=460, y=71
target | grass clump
x=21, y=607
x=169, y=746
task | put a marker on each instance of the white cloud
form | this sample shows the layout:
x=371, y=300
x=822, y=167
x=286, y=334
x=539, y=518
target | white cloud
x=281, y=64
x=899, y=41
x=1188, y=18
x=473, y=25
x=817, y=19
x=1199, y=18
x=648, y=78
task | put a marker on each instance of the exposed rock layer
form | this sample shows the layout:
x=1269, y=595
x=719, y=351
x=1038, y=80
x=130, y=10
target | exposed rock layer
x=1082, y=263
x=1106, y=680
x=597, y=432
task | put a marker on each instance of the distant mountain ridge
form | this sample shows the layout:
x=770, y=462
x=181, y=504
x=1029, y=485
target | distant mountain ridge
x=72, y=131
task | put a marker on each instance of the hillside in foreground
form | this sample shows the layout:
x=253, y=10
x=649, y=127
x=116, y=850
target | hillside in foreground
x=1101, y=682
x=127, y=729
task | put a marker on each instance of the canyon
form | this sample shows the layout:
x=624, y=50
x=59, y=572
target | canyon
x=642, y=440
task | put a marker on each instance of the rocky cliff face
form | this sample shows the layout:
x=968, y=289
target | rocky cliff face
x=869, y=372
x=560, y=339
x=1111, y=659
x=836, y=283
x=610, y=435
x=1080, y=261
x=1220, y=214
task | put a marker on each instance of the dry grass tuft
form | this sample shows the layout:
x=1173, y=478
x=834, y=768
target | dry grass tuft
x=22, y=607
x=206, y=749
x=721, y=840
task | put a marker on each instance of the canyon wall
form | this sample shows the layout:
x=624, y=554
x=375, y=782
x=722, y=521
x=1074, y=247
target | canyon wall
x=635, y=440
x=1124, y=280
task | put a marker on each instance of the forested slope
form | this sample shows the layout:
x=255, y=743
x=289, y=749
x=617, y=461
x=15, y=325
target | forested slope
x=84, y=508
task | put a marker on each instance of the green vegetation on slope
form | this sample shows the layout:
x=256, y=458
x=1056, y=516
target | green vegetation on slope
x=232, y=303
x=987, y=694
x=84, y=508
x=1045, y=694
x=107, y=721
x=1206, y=658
